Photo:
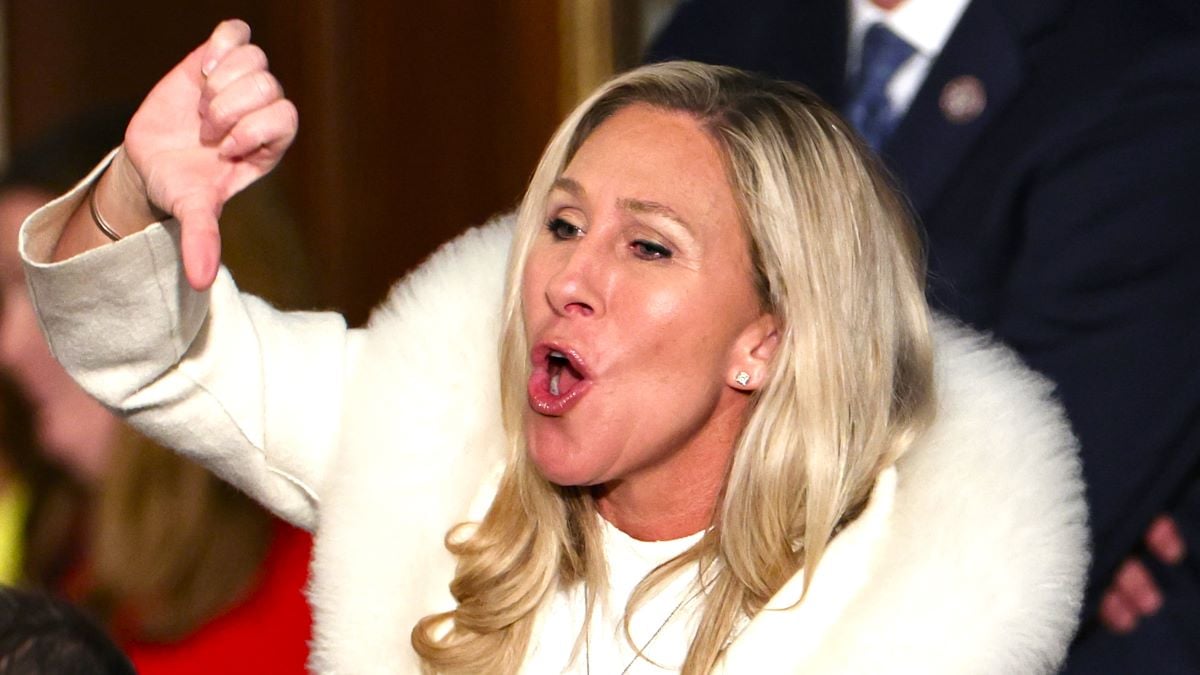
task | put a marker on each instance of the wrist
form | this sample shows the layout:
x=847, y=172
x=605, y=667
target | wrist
x=118, y=202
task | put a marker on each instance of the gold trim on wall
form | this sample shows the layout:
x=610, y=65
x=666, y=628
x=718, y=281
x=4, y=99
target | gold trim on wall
x=586, y=46
x=5, y=94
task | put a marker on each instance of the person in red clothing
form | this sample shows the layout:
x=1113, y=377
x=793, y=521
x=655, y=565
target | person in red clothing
x=267, y=631
x=188, y=574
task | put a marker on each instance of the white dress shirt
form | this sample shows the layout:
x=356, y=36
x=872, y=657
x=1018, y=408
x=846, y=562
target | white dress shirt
x=924, y=24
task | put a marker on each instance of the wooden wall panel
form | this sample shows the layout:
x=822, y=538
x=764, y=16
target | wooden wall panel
x=417, y=118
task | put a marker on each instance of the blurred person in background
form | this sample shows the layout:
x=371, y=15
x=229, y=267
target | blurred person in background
x=1051, y=149
x=189, y=574
x=43, y=635
x=40, y=501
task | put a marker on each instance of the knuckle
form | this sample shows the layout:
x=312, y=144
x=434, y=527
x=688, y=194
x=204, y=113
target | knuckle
x=266, y=85
x=257, y=57
x=236, y=28
x=218, y=113
x=251, y=134
x=244, y=138
x=291, y=115
x=209, y=91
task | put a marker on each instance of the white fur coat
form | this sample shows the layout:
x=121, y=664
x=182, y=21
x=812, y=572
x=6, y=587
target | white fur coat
x=969, y=559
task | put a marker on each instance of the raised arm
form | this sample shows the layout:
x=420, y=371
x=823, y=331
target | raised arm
x=253, y=393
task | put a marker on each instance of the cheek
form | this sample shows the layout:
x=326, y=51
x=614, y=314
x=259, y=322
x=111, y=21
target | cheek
x=533, y=284
x=674, y=337
x=683, y=316
x=662, y=304
x=541, y=264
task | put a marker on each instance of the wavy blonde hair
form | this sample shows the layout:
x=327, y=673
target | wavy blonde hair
x=838, y=263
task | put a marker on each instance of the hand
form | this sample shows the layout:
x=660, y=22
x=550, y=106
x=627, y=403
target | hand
x=215, y=124
x=1133, y=593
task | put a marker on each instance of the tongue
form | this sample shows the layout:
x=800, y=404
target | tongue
x=562, y=380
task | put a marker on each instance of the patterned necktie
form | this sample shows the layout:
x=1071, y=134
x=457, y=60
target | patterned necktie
x=868, y=109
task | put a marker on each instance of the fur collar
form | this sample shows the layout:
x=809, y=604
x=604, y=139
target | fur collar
x=971, y=557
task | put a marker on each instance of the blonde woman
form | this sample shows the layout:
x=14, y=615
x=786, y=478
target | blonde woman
x=722, y=434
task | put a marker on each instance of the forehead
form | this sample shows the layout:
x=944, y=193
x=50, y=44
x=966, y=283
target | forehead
x=654, y=155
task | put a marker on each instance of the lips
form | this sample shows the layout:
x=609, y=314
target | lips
x=559, y=379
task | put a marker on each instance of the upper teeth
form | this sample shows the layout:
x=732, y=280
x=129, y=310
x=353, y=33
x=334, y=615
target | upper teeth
x=557, y=355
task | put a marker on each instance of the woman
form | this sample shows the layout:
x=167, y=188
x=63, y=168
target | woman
x=718, y=437
x=181, y=567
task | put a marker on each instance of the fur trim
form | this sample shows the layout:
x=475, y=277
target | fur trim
x=984, y=564
x=979, y=567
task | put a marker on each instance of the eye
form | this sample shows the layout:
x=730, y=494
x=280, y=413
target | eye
x=649, y=250
x=563, y=230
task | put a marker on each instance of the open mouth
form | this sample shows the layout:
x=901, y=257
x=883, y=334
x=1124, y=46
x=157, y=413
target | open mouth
x=558, y=380
x=563, y=376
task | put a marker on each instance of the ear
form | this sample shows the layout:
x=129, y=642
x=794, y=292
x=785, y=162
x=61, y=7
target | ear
x=752, y=353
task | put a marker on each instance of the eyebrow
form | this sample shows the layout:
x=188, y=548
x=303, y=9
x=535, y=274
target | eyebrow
x=653, y=208
x=569, y=185
x=576, y=190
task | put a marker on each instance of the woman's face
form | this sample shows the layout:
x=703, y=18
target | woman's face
x=71, y=427
x=640, y=309
x=23, y=350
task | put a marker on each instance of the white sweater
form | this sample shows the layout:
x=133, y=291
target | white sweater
x=969, y=559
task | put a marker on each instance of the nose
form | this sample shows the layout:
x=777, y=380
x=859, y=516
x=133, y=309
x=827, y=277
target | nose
x=576, y=286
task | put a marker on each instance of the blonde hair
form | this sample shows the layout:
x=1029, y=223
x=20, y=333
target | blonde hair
x=837, y=262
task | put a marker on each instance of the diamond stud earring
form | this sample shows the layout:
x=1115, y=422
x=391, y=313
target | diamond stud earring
x=743, y=378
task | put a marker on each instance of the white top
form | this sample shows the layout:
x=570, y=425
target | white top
x=924, y=24
x=662, y=627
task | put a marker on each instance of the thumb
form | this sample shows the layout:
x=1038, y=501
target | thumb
x=201, y=242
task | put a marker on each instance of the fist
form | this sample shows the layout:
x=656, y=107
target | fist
x=215, y=124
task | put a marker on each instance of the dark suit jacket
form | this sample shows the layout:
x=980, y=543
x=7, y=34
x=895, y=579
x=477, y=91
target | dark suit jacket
x=1066, y=220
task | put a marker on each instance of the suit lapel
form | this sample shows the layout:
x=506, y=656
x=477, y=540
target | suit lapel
x=977, y=73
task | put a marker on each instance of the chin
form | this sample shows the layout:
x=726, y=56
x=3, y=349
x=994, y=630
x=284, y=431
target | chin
x=561, y=463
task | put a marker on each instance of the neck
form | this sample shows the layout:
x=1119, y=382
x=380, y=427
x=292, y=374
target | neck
x=656, y=515
x=678, y=496
x=887, y=5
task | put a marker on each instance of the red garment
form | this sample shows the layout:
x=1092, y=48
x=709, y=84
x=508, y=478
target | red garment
x=267, y=633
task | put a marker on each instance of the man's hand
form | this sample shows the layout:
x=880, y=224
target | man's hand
x=1134, y=594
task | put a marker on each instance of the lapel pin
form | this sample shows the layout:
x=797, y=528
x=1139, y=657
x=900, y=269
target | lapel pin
x=963, y=99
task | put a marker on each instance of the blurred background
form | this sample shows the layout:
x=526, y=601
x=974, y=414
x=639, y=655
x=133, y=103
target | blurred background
x=418, y=119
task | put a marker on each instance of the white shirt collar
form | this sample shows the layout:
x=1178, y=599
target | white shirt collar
x=924, y=24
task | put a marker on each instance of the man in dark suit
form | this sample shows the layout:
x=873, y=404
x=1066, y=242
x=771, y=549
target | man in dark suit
x=1051, y=149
